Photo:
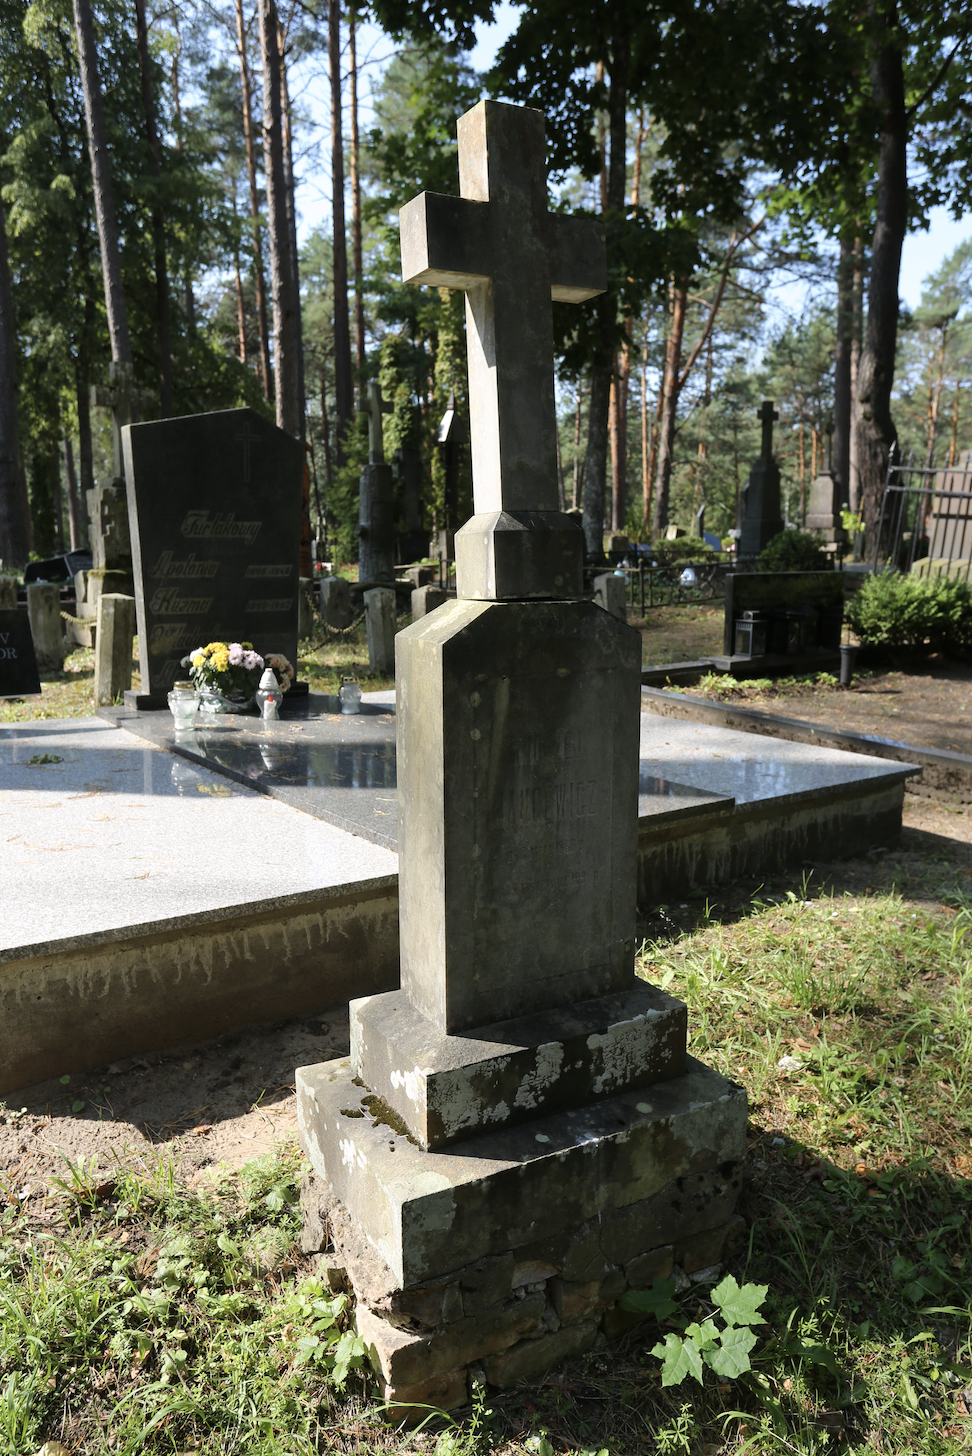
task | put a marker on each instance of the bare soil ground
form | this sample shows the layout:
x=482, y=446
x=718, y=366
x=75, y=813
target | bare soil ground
x=926, y=703
x=680, y=634
x=225, y=1102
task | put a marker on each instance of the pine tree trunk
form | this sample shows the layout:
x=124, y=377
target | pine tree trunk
x=278, y=229
x=669, y=406
x=121, y=346
x=240, y=313
x=259, y=281
x=577, y=436
x=842, y=366
x=75, y=519
x=343, y=385
x=359, y=319
x=13, y=524
x=874, y=425
x=857, y=330
x=613, y=190
x=288, y=157
x=158, y=225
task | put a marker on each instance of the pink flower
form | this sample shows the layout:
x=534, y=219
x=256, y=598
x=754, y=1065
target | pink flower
x=235, y=654
x=252, y=660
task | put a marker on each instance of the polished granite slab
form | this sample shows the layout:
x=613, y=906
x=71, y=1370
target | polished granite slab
x=333, y=766
x=102, y=830
x=342, y=768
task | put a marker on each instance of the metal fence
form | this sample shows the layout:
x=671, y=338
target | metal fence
x=925, y=524
x=680, y=584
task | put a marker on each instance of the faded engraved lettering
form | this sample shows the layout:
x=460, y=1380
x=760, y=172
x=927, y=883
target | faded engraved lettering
x=220, y=526
x=167, y=599
x=270, y=604
x=550, y=803
x=168, y=637
x=267, y=573
x=170, y=568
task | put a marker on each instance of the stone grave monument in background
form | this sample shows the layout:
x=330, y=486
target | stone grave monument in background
x=214, y=503
x=760, y=513
x=824, y=506
x=376, y=502
x=18, y=664
x=518, y=1136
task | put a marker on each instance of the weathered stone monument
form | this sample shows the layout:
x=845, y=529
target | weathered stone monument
x=379, y=605
x=376, y=502
x=609, y=593
x=518, y=1135
x=335, y=601
x=407, y=471
x=760, y=514
x=113, y=647
x=46, y=627
x=214, y=502
x=824, y=505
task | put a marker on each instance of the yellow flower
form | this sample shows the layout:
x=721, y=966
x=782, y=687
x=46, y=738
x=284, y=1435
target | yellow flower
x=198, y=658
x=220, y=659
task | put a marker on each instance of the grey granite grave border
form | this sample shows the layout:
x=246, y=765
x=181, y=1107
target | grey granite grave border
x=931, y=771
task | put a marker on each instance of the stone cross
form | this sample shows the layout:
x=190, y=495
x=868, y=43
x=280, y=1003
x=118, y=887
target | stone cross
x=498, y=242
x=123, y=399
x=767, y=414
x=373, y=411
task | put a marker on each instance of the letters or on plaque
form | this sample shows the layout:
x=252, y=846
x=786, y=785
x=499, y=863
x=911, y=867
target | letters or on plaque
x=214, y=502
x=18, y=665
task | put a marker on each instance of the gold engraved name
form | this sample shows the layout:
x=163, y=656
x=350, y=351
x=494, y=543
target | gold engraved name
x=551, y=803
x=170, y=636
x=167, y=600
x=267, y=573
x=270, y=604
x=170, y=567
x=220, y=527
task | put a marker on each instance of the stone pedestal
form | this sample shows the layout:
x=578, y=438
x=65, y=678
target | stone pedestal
x=113, y=647
x=609, y=593
x=46, y=627
x=823, y=513
x=376, y=524
x=518, y=1135
x=761, y=516
x=379, y=605
x=425, y=599
x=335, y=601
x=89, y=586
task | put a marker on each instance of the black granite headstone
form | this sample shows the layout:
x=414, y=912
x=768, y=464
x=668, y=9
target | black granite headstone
x=214, y=502
x=18, y=664
x=811, y=600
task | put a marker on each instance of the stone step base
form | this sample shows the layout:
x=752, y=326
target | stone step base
x=443, y=1087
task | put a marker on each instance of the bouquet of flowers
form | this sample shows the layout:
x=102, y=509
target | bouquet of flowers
x=232, y=668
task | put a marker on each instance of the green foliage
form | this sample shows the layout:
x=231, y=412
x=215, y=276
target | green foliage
x=913, y=613
x=794, y=551
x=725, y=1349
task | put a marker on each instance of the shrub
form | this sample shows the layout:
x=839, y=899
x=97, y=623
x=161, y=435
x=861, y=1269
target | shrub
x=683, y=548
x=793, y=551
x=913, y=612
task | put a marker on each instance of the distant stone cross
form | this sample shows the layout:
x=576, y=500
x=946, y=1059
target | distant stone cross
x=249, y=439
x=123, y=399
x=373, y=411
x=499, y=243
x=767, y=414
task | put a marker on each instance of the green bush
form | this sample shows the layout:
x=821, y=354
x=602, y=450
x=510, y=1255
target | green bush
x=916, y=613
x=683, y=548
x=793, y=551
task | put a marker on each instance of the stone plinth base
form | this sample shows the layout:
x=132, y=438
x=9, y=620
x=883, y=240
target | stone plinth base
x=509, y=1252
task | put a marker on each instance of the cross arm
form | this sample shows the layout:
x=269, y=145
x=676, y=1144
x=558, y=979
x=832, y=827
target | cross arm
x=444, y=241
x=577, y=258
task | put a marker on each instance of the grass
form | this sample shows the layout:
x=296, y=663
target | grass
x=725, y=687
x=139, y=1314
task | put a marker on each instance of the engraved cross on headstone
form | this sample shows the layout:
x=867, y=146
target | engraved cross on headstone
x=249, y=438
x=124, y=400
x=373, y=411
x=499, y=243
x=767, y=414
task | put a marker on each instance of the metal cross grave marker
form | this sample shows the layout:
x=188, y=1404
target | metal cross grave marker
x=499, y=243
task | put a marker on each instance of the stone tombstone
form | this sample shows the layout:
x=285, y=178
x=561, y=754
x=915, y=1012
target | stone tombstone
x=18, y=663
x=823, y=508
x=8, y=593
x=379, y=605
x=335, y=601
x=115, y=632
x=760, y=513
x=215, y=506
x=376, y=502
x=407, y=470
x=425, y=599
x=803, y=610
x=950, y=526
x=609, y=593
x=46, y=626
x=490, y=1131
